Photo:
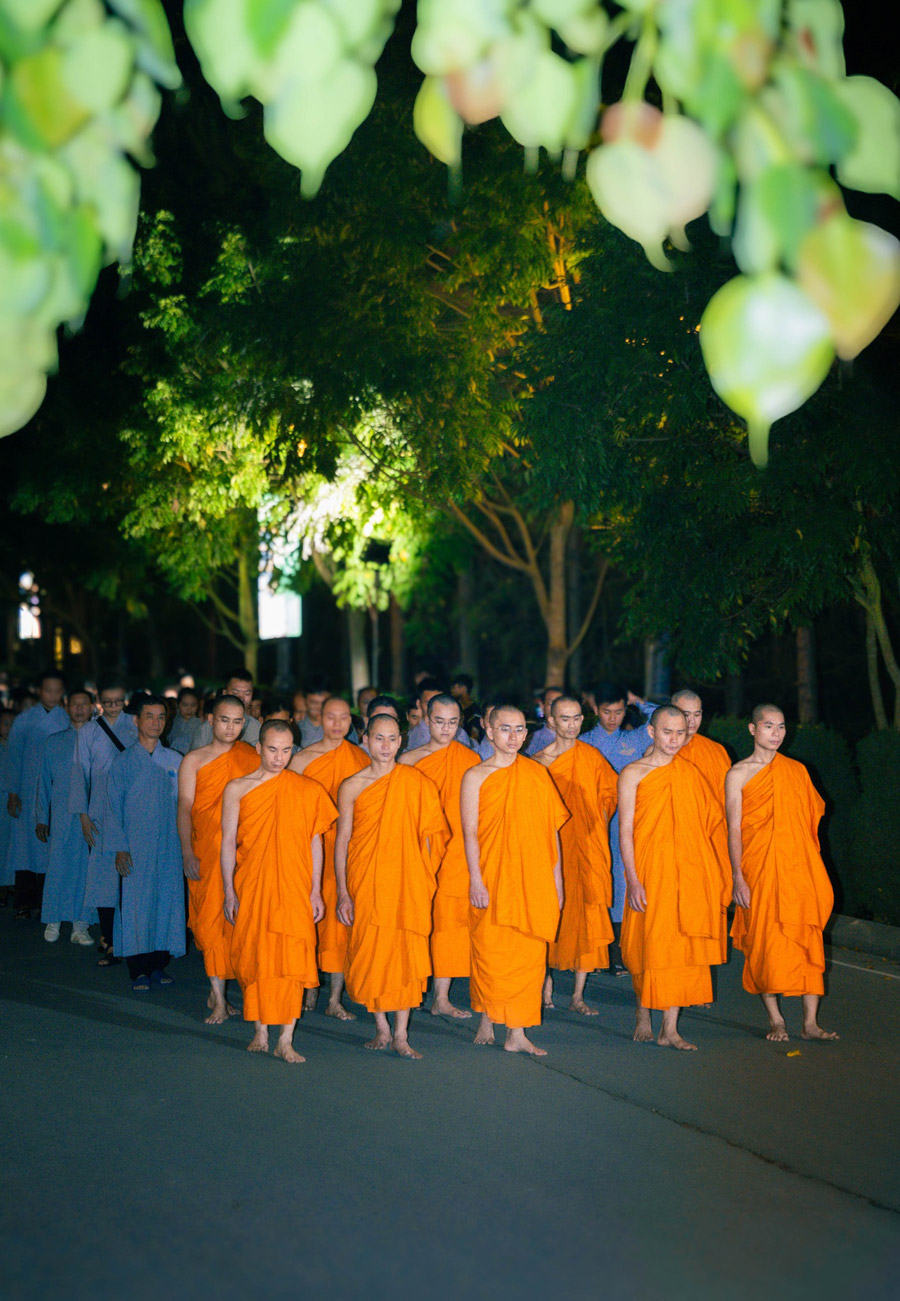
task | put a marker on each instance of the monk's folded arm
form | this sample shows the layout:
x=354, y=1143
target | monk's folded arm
x=734, y=806
x=187, y=788
x=341, y=845
x=230, y=809
x=468, y=807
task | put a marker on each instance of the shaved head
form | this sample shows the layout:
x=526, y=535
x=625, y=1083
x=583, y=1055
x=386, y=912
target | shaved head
x=761, y=710
x=565, y=700
x=380, y=720
x=686, y=697
x=665, y=711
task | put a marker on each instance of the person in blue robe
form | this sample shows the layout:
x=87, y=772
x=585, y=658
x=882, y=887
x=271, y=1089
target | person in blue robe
x=141, y=807
x=27, y=856
x=58, y=827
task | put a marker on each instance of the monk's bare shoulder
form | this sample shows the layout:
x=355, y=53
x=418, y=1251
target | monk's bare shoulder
x=634, y=773
x=737, y=777
x=192, y=761
x=545, y=756
x=410, y=758
x=473, y=778
x=301, y=760
x=351, y=786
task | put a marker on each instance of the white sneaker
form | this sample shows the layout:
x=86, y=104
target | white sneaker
x=51, y=932
x=80, y=935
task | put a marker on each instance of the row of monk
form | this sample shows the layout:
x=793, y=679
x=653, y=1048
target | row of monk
x=385, y=869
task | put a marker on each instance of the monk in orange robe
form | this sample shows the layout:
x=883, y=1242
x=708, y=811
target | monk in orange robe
x=511, y=816
x=202, y=779
x=391, y=831
x=710, y=757
x=328, y=762
x=587, y=785
x=444, y=760
x=672, y=835
x=781, y=888
x=272, y=825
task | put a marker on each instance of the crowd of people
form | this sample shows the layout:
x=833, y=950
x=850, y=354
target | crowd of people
x=390, y=848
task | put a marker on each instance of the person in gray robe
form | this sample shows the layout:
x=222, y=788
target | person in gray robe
x=98, y=744
x=141, y=807
x=27, y=856
x=60, y=828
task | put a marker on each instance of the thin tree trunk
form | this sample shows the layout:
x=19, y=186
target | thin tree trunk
x=734, y=694
x=881, y=718
x=557, y=638
x=376, y=644
x=869, y=597
x=468, y=645
x=398, y=648
x=247, y=619
x=573, y=601
x=356, y=636
x=807, y=678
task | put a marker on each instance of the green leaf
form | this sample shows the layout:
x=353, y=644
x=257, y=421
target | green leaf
x=267, y=22
x=155, y=51
x=97, y=66
x=36, y=95
x=873, y=165
x=819, y=126
x=818, y=27
x=29, y=15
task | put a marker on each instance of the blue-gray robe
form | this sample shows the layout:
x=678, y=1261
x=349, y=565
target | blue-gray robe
x=7, y=870
x=96, y=753
x=26, y=748
x=141, y=799
x=67, y=861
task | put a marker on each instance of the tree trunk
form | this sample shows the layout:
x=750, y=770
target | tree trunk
x=247, y=620
x=376, y=644
x=807, y=678
x=555, y=617
x=734, y=694
x=573, y=601
x=881, y=719
x=468, y=645
x=398, y=648
x=656, y=670
x=356, y=636
x=869, y=596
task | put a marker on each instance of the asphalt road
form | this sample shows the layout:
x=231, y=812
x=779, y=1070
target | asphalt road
x=149, y=1156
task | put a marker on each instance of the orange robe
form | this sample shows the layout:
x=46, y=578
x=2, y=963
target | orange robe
x=681, y=859
x=791, y=898
x=587, y=785
x=712, y=760
x=206, y=897
x=273, y=947
x=450, y=934
x=329, y=770
x=391, y=880
x=519, y=814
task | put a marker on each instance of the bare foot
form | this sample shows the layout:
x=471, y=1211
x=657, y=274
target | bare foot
x=338, y=1010
x=211, y=1004
x=402, y=1049
x=218, y=1016
x=310, y=998
x=259, y=1043
x=777, y=1033
x=816, y=1032
x=547, y=993
x=643, y=1031
x=485, y=1033
x=517, y=1042
x=286, y=1053
x=579, y=1005
x=379, y=1043
x=674, y=1040
x=445, y=1008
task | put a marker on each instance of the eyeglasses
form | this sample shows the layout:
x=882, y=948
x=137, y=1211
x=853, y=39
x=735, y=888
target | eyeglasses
x=119, y=700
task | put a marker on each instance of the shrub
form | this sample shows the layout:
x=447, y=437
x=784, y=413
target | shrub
x=876, y=829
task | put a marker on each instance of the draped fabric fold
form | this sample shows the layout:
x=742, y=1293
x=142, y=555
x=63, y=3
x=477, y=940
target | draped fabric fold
x=450, y=949
x=391, y=880
x=587, y=785
x=273, y=947
x=791, y=897
x=329, y=770
x=206, y=897
x=519, y=814
x=681, y=859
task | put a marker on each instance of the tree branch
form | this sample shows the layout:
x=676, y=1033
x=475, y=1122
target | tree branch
x=592, y=607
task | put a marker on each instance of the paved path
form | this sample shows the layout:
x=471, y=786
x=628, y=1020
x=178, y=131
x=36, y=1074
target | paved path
x=149, y=1156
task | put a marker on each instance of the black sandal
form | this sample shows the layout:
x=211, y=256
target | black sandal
x=109, y=960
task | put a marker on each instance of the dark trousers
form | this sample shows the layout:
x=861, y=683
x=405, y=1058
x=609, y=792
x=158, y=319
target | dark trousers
x=144, y=964
x=615, y=949
x=105, y=917
x=29, y=890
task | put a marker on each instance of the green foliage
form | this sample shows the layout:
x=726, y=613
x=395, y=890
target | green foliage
x=873, y=886
x=78, y=103
x=733, y=734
